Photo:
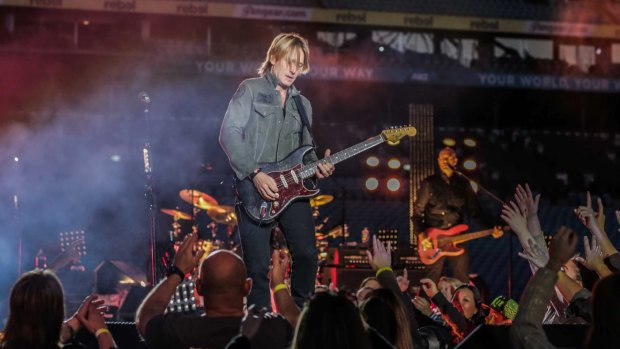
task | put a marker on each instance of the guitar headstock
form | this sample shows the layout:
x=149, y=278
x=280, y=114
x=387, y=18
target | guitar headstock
x=394, y=134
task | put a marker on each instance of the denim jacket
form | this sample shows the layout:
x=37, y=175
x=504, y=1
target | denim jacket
x=257, y=129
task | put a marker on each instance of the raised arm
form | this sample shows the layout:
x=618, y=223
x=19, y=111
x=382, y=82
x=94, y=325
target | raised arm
x=594, y=258
x=516, y=219
x=281, y=295
x=589, y=219
x=157, y=300
x=526, y=330
x=528, y=204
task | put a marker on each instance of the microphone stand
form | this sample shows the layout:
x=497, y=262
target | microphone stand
x=480, y=187
x=510, y=249
x=148, y=186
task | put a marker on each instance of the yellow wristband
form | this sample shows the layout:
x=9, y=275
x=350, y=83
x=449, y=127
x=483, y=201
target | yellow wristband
x=101, y=331
x=382, y=270
x=279, y=287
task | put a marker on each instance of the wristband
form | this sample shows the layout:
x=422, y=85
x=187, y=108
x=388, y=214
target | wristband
x=279, y=287
x=175, y=270
x=101, y=331
x=382, y=270
x=253, y=174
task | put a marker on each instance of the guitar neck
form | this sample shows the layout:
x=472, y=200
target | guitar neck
x=466, y=237
x=310, y=169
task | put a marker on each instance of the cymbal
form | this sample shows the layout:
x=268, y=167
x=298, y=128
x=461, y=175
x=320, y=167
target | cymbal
x=176, y=214
x=337, y=231
x=319, y=236
x=223, y=214
x=321, y=200
x=200, y=200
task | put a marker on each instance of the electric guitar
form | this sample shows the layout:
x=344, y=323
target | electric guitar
x=436, y=243
x=290, y=174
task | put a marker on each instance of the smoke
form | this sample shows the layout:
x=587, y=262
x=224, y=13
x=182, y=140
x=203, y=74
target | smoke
x=71, y=152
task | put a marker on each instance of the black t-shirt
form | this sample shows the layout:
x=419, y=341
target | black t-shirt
x=442, y=202
x=178, y=331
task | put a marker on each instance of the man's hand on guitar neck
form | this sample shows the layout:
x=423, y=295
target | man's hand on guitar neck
x=325, y=169
x=266, y=186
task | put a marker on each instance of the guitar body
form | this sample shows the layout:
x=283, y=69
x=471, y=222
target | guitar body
x=290, y=188
x=290, y=173
x=432, y=248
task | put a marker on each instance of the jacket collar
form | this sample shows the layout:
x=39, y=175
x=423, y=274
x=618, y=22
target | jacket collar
x=273, y=80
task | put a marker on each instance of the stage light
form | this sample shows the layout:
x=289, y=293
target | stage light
x=393, y=184
x=407, y=167
x=381, y=48
x=115, y=158
x=86, y=22
x=394, y=163
x=372, y=161
x=470, y=164
x=372, y=184
x=470, y=142
x=16, y=159
x=449, y=142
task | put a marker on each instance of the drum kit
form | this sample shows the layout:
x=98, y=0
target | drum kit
x=224, y=214
x=219, y=214
x=322, y=238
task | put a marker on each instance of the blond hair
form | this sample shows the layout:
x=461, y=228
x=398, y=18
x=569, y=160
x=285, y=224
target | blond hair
x=286, y=45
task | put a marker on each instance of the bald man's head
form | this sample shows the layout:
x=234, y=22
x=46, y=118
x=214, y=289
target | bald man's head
x=447, y=160
x=223, y=273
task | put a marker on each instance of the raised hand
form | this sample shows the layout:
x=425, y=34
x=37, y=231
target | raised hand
x=93, y=318
x=380, y=256
x=429, y=287
x=586, y=213
x=591, y=221
x=185, y=259
x=593, y=254
x=594, y=257
x=539, y=256
x=74, y=321
x=528, y=203
x=423, y=305
x=562, y=248
x=517, y=221
x=279, y=266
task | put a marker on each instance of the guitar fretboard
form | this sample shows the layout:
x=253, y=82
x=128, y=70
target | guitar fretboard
x=309, y=170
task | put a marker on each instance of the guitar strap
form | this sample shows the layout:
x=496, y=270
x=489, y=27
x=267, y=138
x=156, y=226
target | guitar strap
x=304, y=118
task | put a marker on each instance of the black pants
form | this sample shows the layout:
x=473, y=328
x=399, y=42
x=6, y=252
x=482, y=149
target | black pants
x=297, y=226
x=458, y=264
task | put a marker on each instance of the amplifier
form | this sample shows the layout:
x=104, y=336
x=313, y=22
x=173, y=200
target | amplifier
x=347, y=257
x=407, y=257
x=355, y=257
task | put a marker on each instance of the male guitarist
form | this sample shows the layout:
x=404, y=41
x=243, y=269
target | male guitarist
x=263, y=124
x=443, y=200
